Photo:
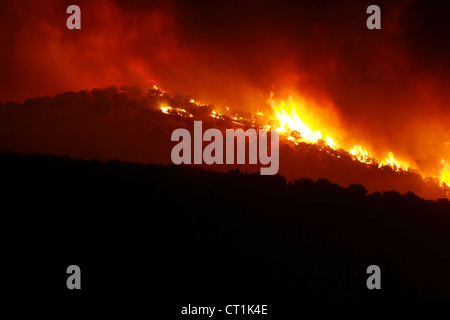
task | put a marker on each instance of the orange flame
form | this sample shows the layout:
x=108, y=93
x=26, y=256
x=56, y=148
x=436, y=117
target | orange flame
x=292, y=120
x=299, y=128
x=445, y=172
x=177, y=111
x=361, y=154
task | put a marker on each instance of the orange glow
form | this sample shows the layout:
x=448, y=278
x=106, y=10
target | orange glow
x=293, y=121
x=445, y=173
x=216, y=115
x=177, y=111
x=361, y=154
x=390, y=161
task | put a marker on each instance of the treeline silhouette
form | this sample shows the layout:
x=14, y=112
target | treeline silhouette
x=174, y=232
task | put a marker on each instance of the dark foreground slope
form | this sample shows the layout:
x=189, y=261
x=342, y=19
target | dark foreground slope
x=176, y=232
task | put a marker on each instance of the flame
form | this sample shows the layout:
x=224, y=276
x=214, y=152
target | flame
x=445, y=173
x=290, y=123
x=292, y=120
x=177, y=111
x=286, y=115
x=390, y=161
x=330, y=142
x=166, y=110
x=217, y=115
x=361, y=154
x=298, y=129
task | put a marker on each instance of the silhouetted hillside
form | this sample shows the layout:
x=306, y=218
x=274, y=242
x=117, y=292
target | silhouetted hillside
x=127, y=124
x=183, y=232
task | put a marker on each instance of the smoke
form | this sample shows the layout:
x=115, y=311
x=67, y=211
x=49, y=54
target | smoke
x=385, y=89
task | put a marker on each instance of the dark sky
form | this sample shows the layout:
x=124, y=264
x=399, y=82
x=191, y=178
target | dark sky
x=386, y=89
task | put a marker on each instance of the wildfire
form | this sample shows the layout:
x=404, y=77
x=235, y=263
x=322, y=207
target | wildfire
x=287, y=121
x=176, y=111
x=299, y=129
x=445, y=173
x=216, y=115
x=361, y=154
x=390, y=161
x=291, y=120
